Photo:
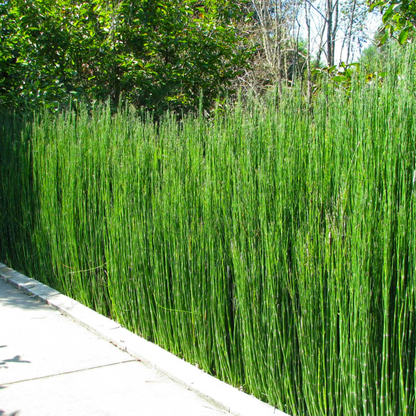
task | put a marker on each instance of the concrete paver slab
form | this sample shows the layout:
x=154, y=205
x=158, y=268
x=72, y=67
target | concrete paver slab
x=121, y=389
x=38, y=341
x=75, y=360
x=49, y=365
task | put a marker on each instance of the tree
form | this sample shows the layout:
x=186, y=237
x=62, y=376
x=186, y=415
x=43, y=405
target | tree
x=10, y=68
x=157, y=55
x=340, y=26
x=279, y=52
x=399, y=16
x=354, y=15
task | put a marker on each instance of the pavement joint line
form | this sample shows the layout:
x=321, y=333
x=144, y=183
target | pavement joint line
x=223, y=395
x=80, y=370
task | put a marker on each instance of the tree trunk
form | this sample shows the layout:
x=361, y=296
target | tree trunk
x=329, y=33
x=308, y=57
x=350, y=31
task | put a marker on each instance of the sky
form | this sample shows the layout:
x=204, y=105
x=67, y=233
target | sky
x=372, y=23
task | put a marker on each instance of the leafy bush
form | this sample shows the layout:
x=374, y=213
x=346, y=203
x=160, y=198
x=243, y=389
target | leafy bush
x=157, y=55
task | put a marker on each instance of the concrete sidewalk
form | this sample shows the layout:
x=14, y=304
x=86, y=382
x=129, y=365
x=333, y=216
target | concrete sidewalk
x=51, y=365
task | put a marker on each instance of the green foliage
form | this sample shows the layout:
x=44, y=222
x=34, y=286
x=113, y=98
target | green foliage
x=341, y=76
x=275, y=247
x=156, y=55
x=376, y=62
x=399, y=16
x=373, y=58
x=10, y=68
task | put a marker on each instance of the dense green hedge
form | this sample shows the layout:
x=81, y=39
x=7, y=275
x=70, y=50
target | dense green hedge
x=273, y=247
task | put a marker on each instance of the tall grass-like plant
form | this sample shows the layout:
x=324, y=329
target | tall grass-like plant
x=272, y=246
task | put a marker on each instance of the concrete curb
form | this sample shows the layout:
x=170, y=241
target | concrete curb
x=221, y=394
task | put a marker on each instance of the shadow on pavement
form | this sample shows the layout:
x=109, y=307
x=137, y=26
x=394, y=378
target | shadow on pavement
x=10, y=295
x=15, y=359
x=2, y=413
